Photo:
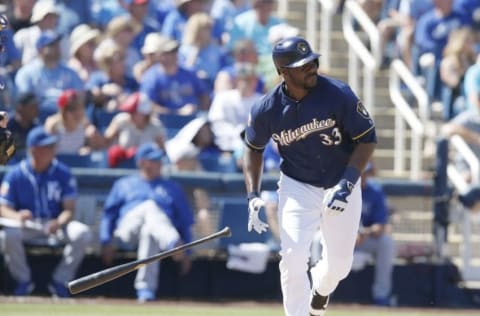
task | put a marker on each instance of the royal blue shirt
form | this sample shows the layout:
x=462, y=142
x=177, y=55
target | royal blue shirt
x=374, y=205
x=316, y=135
x=129, y=191
x=41, y=193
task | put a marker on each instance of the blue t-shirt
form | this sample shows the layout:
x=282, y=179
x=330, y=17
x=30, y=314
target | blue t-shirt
x=374, y=204
x=41, y=193
x=172, y=91
x=129, y=191
x=316, y=135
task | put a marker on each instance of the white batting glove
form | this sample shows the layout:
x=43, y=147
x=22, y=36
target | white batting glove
x=254, y=206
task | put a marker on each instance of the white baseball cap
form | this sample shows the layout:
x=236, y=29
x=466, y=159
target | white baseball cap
x=81, y=35
x=41, y=9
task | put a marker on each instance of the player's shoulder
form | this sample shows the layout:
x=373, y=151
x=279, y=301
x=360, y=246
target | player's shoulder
x=334, y=84
x=59, y=168
x=268, y=101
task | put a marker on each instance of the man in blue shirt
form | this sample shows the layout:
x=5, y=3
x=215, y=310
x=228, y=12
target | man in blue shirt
x=147, y=211
x=42, y=190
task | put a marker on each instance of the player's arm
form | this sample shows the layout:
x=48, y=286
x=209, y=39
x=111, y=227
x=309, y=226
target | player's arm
x=252, y=169
x=361, y=155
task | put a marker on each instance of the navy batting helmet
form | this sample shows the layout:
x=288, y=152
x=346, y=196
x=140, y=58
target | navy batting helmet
x=292, y=52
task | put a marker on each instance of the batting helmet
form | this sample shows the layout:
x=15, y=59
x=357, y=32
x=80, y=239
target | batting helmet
x=292, y=52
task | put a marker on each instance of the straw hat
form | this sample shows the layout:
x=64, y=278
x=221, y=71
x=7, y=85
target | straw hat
x=81, y=35
x=153, y=43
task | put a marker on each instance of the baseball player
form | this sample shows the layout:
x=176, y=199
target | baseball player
x=43, y=190
x=325, y=137
x=148, y=211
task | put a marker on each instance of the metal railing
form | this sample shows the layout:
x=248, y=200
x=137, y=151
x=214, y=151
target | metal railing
x=458, y=146
x=400, y=74
x=328, y=10
x=357, y=50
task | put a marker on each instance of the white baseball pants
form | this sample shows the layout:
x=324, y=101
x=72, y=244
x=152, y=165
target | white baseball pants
x=147, y=225
x=77, y=237
x=301, y=214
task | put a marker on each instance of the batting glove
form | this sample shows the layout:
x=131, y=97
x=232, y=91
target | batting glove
x=255, y=203
x=337, y=197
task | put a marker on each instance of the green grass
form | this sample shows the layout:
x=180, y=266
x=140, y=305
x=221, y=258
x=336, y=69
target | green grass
x=94, y=308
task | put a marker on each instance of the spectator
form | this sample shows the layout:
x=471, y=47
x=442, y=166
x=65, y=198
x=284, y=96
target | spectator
x=150, y=51
x=135, y=125
x=375, y=238
x=45, y=17
x=229, y=111
x=149, y=212
x=10, y=62
x=122, y=30
x=431, y=35
x=458, y=55
x=193, y=143
x=138, y=10
x=225, y=12
x=472, y=85
x=24, y=119
x=198, y=51
x=76, y=135
x=172, y=88
x=18, y=15
x=47, y=76
x=42, y=189
x=103, y=11
x=83, y=41
x=110, y=86
x=254, y=25
x=72, y=14
x=244, y=51
x=467, y=125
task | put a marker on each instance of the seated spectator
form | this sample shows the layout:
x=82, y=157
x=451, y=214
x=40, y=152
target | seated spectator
x=10, y=62
x=150, y=213
x=23, y=121
x=229, y=111
x=43, y=190
x=121, y=30
x=47, y=76
x=458, y=55
x=375, y=237
x=244, y=51
x=110, y=86
x=139, y=12
x=150, y=51
x=225, y=12
x=103, y=11
x=198, y=51
x=83, y=41
x=45, y=17
x=471, y=85
x=134, y=126
x=172, y=88
x=185, y=151
x=18, y=15
x=431, y=36
x=76, y=135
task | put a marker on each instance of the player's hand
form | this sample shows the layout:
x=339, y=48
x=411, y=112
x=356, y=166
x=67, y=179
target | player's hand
x=337, y=197
x=254, y=222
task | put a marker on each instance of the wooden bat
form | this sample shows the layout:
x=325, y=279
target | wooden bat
x=104, y=276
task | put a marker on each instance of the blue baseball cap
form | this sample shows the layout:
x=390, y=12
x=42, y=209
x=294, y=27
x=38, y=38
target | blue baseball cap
x=38, y=136
x=149, y=151
x=47, y=38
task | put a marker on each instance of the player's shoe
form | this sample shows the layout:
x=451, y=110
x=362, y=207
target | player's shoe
x=23, y=288
x=58, y=289
x=145, y=295
x=318, y=304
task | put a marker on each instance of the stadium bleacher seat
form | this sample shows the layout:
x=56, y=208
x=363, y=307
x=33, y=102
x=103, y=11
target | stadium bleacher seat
x=234, y=214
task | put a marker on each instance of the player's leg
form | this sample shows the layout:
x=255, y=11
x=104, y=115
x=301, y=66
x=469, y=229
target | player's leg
x=339, y=233
x=78, y=237
x=16, y=259
x=383, y=250
x=299, y=218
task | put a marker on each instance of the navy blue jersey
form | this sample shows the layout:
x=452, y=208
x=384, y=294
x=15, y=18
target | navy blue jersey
x=317, y=135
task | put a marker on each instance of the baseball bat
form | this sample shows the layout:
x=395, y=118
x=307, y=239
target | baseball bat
x=104, y=276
